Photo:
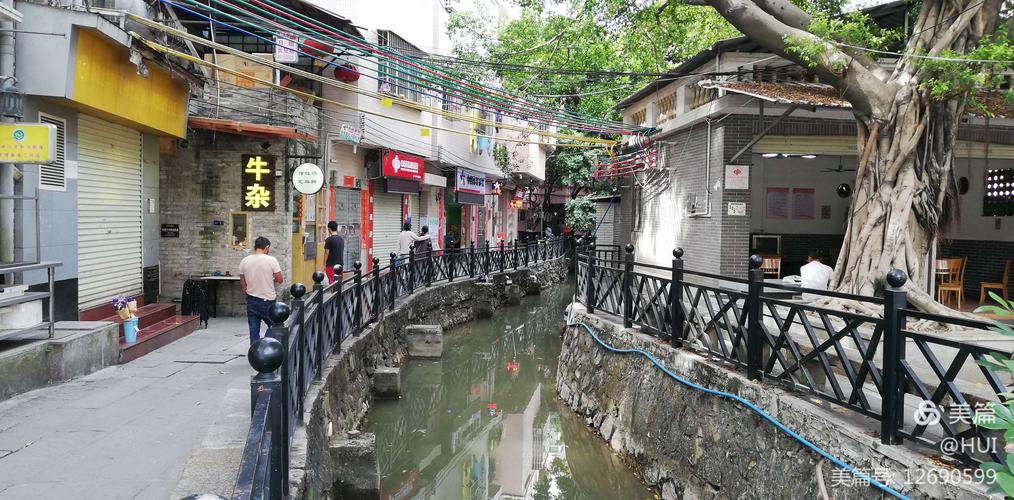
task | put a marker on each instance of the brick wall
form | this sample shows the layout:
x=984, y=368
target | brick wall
x=985, y=261
x=262, y=105
x=200, y=185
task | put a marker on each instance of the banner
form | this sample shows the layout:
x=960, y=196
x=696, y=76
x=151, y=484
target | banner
x=402, y=166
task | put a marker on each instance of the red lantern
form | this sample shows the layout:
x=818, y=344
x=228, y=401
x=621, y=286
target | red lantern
x=317, y=49
x=346, y=73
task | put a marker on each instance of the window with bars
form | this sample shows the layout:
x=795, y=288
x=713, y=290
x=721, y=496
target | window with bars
x=53, y=176
x=398, y=78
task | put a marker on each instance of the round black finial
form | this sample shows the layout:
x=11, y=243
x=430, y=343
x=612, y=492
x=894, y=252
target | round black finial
x=756, y=261
x=579, y=240
x=629, y=248
x=394, y=255
x=265, y=355
x=358, y=265
x=376, y=261
x=338, y=269
x=896, y=278
x=678, y=252
x=591, y=245
x=318, y=277
x=298, y=290
x=279, y=312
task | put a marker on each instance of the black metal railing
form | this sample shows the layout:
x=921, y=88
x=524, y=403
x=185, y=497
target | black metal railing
x=869, y=362
x=314, y=325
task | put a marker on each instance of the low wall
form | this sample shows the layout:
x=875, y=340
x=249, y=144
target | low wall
x=691, y=444
x=338, y=403
x=76, y=349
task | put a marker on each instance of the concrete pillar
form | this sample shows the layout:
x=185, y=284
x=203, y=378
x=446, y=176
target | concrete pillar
x=387, y=382
x=357, y=472
x=425, y=341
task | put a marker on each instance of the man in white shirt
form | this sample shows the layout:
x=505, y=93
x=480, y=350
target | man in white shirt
x=815, y=274
x=258, y=275
x=407, y=239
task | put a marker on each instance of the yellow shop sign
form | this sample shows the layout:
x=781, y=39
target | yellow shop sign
x=27, y=143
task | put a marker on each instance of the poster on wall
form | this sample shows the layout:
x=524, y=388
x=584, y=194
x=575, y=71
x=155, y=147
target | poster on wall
x=802, y=203
x=777, y=203
x=737, y=177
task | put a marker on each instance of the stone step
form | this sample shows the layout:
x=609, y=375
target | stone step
x=157, y=335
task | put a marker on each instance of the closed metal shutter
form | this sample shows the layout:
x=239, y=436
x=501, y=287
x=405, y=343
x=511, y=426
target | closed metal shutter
x=604, y=234
x=386, y=225
x=109, y=211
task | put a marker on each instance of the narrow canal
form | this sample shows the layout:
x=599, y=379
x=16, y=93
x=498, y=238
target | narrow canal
x=484, y=422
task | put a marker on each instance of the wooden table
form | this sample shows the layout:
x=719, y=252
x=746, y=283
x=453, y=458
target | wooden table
x=213, y=282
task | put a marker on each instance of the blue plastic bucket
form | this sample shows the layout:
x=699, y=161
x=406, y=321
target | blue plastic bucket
x=130, y=330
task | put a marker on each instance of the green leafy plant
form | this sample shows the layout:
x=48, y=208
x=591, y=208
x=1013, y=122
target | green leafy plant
x=1002, y=417
x=580, y=214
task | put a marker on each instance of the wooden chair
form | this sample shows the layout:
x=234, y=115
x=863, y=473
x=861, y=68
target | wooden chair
x=1001, y=285
x=952, y=279
x=772, y=266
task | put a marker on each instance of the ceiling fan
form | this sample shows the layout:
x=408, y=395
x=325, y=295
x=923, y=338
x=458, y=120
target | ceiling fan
x=839, y=169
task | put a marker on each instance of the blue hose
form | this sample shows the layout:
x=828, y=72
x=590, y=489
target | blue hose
x=836, y=461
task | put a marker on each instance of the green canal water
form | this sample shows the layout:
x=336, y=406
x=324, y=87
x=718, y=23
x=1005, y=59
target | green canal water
x=484, y=422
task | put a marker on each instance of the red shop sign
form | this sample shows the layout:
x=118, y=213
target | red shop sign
x=403, y=166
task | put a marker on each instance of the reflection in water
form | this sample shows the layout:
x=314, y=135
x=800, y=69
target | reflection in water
x=483, y=422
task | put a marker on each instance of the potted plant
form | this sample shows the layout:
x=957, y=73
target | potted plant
x=125, y=308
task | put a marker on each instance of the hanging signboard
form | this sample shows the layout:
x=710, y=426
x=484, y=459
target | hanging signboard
x=402, y=166
x=470, y=181
x=286, y=48
x=258, y=183
x=350, y=133
x=308, y=178
x=27, y=143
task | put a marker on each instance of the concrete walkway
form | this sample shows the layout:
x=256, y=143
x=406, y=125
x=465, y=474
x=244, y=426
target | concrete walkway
x=131, y=430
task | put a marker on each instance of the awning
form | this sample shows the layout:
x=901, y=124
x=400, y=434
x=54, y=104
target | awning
x=245, y=128
x=801, y=94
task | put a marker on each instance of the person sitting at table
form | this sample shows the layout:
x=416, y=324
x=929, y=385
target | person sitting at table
x=815, y=274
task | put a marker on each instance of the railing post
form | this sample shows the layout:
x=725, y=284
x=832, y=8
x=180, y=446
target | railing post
x=628, y=283
x=298, y=290
x=676, y=299
x=503, y=256
x=339, y=334
x=471, y=259
x=378, y=289
x=754, y=336
x=892, y=396
x=279, y=313
x=358, y=283
x=429, y=263
x=318, y=355
x=452, y=258
x=393, y=293
x=590, y=285
x=517, y=258
x=528, y=246
x=266, y=355
x=411, y=271
x=577, y=255
x=487, y=267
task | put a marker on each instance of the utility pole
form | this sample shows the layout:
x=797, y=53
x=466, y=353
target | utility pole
x=7, y=170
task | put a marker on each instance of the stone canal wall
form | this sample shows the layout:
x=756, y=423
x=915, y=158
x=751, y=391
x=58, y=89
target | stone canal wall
x=338, y=404
x=694, y=445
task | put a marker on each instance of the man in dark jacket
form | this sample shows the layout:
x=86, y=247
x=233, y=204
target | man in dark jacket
x=334, y=251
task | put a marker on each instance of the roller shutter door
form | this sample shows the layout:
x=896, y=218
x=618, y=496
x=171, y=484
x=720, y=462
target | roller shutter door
x=386, y=224
x=109, y=211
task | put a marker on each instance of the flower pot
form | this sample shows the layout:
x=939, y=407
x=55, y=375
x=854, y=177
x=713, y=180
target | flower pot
x=123, y=313
x=130, y=330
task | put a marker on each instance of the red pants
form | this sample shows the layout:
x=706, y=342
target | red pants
x=329, y=271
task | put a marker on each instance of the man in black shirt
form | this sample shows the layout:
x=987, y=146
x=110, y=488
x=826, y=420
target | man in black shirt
x=334, y=251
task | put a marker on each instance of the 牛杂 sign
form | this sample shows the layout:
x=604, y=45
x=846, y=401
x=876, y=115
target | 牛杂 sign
x=27, y=143
x=258, y=182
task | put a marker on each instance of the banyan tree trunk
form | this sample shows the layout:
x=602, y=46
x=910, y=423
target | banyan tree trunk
x=905, y=193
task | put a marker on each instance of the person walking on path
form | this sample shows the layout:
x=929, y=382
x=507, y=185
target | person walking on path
x=407, y=239
x=258, y=275
x=334, y=251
